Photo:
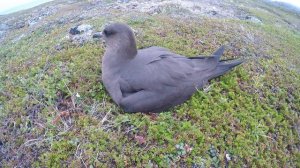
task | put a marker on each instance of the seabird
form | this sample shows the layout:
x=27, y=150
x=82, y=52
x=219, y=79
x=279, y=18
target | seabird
x=153, y=79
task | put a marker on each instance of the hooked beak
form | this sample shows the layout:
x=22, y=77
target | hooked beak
x=97, y=35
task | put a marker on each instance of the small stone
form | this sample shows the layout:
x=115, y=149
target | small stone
x=213, y=12
x=62, y=21
x=199, y=42
x=253, y=19
x=228, y=158
x=3, y=27
x=32, y=22
x=2, y=33
x=80, y=29
x=58, y=47
x=132, y=6
x=81, y=34
x=19, y=25
x=74, y=31
x=97, y=35
x=124, y=1
x=84, y=28
x=18, y=38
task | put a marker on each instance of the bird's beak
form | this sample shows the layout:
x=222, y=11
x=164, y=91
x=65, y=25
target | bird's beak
x=97, y=35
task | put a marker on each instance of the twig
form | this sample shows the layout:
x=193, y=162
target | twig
x=105, y=117
x=94, y=108
x=130, y=130
x=73, y=101
x=206, y=89
x=5, y=94
x=44, y=69
x=79, y=155
x=83, y=162
x=28, y=143
x=77, y=150
x=71, y=93
x=32, y=140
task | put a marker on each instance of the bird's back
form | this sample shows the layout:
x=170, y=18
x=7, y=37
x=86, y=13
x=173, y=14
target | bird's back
x=169, y=77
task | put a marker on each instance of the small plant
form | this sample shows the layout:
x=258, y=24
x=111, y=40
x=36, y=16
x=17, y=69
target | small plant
x=55, y=112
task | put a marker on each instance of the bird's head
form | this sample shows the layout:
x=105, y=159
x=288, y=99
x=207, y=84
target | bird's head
x=118, y=37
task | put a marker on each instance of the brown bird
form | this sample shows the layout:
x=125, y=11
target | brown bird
x=153, y=79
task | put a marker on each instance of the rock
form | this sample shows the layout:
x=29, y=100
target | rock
x=97, y=35
x=81, y=39
x=2, y=33
x=253, y=19
x=123, y=1
x=74, y=31
x=84, y=28
x=3, y=27
x=153, y=10
x=131, y=6
x=58, y=47
x=80, y=29
x=18, y=38
x=81, y=34
x=213, y=12
x=62, y=21
x=199, y=42
x=32, y=22
x=19, y=25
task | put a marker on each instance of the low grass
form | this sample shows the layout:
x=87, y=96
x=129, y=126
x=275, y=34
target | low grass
x=55, y=111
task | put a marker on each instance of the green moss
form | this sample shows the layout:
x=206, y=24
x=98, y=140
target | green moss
x=250, y=113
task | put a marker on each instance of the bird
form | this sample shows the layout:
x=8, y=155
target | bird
x=153, y=79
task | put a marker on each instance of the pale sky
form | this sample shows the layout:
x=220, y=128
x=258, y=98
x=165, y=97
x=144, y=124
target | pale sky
x=293, y=2
x=7, y=6
x=4, y=4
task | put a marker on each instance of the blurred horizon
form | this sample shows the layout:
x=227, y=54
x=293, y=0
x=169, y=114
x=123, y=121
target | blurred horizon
x=295, y=3
x=11, y=6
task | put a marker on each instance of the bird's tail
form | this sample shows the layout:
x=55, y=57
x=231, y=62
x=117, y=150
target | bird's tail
x=217, y=54
x=221, y=66
x=224, y=66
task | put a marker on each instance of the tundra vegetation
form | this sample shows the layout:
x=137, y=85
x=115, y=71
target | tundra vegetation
x=55, y=112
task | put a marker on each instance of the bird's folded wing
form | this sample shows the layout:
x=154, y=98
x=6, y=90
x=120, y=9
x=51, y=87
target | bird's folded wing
x=159, y=69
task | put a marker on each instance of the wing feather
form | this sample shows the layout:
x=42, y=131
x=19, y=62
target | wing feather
x=163, y=69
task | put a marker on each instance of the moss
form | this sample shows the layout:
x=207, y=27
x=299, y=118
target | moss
x=251, y=113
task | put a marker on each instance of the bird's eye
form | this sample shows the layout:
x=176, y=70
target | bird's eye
x=107, y=32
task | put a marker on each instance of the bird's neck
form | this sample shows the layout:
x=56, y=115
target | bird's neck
x=118, y=56
x=118, y=53
x=115, y=58
x=123, y=48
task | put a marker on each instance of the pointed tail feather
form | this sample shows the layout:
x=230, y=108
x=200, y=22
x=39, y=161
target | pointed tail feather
x=224, y=67
x=219, y=52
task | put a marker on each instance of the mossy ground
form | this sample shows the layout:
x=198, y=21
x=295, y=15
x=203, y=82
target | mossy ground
x=55, y=111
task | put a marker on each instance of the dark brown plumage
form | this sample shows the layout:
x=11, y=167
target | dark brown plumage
x=153, y=79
